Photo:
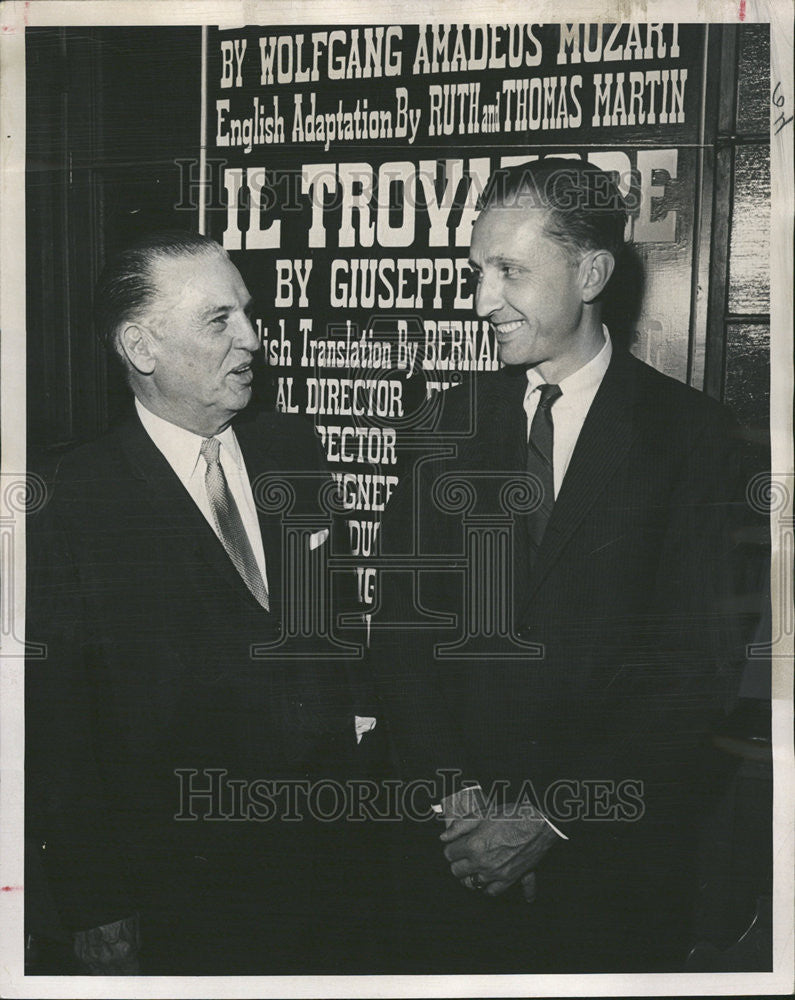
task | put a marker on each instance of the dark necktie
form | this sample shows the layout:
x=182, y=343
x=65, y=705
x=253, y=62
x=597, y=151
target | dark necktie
x=539, y=461
x=228, y=521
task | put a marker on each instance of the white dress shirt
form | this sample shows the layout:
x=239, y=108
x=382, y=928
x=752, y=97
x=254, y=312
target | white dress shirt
x=182, y=450
x=569, y=410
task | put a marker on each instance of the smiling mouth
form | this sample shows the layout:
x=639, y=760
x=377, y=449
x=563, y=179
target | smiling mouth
x=243, y=375
x=505, y=329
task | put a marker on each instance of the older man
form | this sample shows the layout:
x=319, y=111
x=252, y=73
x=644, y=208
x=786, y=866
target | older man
x=568, y=735
x=164, y=751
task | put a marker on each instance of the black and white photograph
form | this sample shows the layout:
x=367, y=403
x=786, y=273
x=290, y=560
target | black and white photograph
x=397, y=499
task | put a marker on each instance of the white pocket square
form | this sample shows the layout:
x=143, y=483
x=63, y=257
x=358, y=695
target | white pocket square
x=363, y=724
x=317, y=538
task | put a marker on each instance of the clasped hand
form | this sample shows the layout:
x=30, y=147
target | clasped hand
x=500, y=848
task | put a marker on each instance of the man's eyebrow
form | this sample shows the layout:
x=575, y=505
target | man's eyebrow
x=223, y=310
x=499, y=258
x=215, y=311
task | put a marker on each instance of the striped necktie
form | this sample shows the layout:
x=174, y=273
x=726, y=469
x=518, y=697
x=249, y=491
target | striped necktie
x=229, y=523
x=539, y=461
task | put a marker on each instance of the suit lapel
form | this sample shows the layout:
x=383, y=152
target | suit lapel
x=514, y=425
x=175, y=514
x=500, y=446
x=501, y=425
x=602, y=446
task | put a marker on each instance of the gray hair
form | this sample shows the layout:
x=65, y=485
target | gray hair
x=126, y=286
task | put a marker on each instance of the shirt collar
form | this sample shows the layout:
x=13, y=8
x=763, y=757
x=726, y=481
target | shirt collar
x=585, y=380
x=180, y=447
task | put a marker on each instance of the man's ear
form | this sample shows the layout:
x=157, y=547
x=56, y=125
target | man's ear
x=136, y=342
x=596, y=268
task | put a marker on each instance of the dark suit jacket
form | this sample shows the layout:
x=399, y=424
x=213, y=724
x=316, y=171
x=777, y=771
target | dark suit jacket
x=148, y=631
x=629, y=599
